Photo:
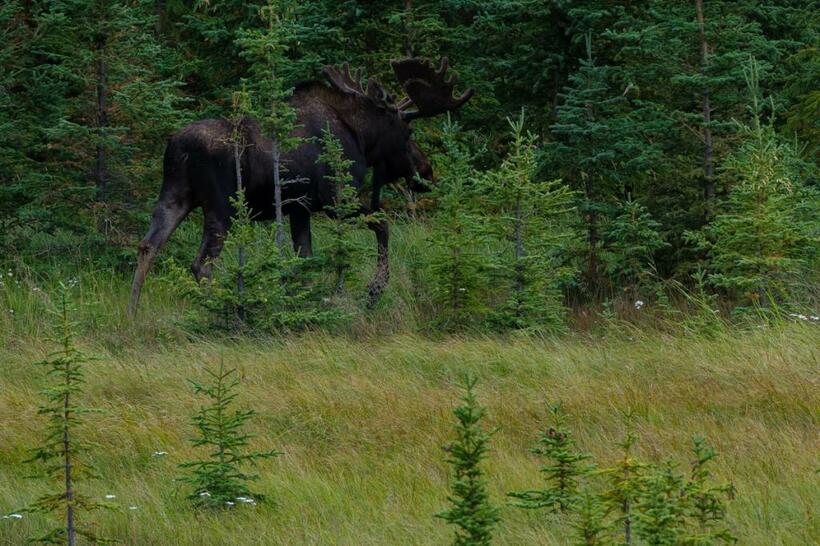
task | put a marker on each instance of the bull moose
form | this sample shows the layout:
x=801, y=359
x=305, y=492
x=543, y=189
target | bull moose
x=373, y=128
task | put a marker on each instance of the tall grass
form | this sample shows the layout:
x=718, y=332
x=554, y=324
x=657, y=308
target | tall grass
x=361, y=417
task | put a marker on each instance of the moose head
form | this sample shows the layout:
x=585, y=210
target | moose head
x=429, y=92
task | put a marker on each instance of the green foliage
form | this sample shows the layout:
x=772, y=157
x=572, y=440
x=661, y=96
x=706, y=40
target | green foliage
x=706, y=506
x=562, y=472
x=254, y=288
x=457, y=266
x=471, y=510
x=220, y=481
x=659, y=515
x=625, y=484
x=529, y=219
x=343, y=248
x=590, y=524
x=633, y=237
x=63, y=453
x=764, y=237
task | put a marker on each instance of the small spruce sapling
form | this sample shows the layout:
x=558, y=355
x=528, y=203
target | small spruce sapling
x=633, y=237
x=63, y=453
x=706, y=507
x=590, y=523
x=343, y=210
x=659, y=512
x=220, y=480
x=471, y=510
x=563, y=471
x=625, y=483
x=530, y=220
x=457, y=263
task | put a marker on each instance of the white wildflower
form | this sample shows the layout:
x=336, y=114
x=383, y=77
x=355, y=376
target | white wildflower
x=229, y=503
x=159, y=454
x=132, y=507
x=204, y=494
x=110, y=496
x=638, y=304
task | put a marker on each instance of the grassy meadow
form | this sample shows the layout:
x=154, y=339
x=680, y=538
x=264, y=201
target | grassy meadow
x=362, y=416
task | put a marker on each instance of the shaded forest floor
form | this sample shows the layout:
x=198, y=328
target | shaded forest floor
x=362, y=422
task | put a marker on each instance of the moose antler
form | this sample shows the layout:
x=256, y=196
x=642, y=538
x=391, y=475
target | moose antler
x=348, y=83
x=430, y=90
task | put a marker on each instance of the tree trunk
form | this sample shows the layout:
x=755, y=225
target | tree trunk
x=240, y=276
x=519, y=255
x=100, y=170
x=592, y=237
x=69, y=485
x=708, y=166
x=277, y=197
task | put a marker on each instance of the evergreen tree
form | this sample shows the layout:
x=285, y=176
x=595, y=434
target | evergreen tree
x=95, y=94
x=761, y=240
x=530, y=219
x=343, y=210
x=590, y=523
x=625, y=480
x=457, y=267
x=220, y=481
x=600, y=148
x=633, y=237
x=471, y=510
x=63, y=454
x=563, y=470
x=659, y=514
x=706, y=505
x=265, y=49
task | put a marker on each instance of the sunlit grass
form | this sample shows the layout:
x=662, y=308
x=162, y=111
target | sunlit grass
x=362, y=423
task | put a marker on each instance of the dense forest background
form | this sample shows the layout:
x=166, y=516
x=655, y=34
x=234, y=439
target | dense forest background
x=688, y=132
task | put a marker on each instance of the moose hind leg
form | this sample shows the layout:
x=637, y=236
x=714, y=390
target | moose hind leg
x=382, y=275
x=213, y=239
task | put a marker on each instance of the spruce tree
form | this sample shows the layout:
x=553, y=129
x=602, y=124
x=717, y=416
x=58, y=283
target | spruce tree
x=659, y=512
x=343, y=210
x=471, y=509
x=220, y=481
x=457, y=265
x=562, y=472
x=63, y=453
x=530, y=220
x=706, y=506
x=762, y=241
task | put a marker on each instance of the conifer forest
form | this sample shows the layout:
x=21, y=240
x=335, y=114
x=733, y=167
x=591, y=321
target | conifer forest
x=409, y=272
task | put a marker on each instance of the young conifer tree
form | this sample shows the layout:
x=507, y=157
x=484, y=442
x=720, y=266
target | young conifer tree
x=63, y=453
x=633, y=237
x=266, y=50
x=220, y=481
x=530, y=221
x=457, y=261
x=343, y=210
x=659, y=512
x=471, y=510
x=563, y=470
x=625, y=480
x=763, y=239
x=590, y=522
x=706, y=506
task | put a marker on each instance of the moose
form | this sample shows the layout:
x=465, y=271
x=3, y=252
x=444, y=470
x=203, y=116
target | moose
x=374, y=131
